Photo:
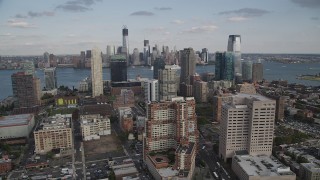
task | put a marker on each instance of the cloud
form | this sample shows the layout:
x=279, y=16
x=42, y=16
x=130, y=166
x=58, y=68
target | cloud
x=177, y=21
x=246, y=12
x=307, y=3
x=163, y=8
x=156, y=29
x=201, y=29
x=19, y=24
x=237, y=19
x=39, y=14
x=142, y=13
x=314, y=18
x=20, y=16
x=77, y=5
x=6, y=34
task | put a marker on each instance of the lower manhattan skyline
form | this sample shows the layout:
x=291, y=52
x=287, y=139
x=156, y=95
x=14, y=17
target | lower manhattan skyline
x=67, y=27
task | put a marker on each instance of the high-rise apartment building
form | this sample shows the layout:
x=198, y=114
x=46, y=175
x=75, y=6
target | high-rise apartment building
x=234, y=45
x=188, y=65
x=28, y=67
x=200, y=91
x=247, y=70
x=167, y=83
x=257, y=72
x=151, y=90
x=50, y=78
x=96, y=72
x=247, y=123
x=171, y=125
x=224, y=67
x=118, y=68
x=26, y=89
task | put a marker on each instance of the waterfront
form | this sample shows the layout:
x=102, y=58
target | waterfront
x=70, y=77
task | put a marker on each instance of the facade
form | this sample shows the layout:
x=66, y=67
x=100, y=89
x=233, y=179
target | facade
x=246, y=88
x=205, y=55
x=262, y=167
x=50, y=78
x=247, y=70
x=171, y=125
x=118, y=68
x=224, y=68
x=201, y=91
x=5, y=165
x=159, y=64
x=188, y=65
x=26, y=89
x=125, y=119
x=215, y=85
x=125, y=41
x=247, y=123
x=16, y=126
x=135, y=86
x=218, y=101
x=234, y=45
x=67, y=101
x=146, y=52
x=93, y=126
x=309, y=171
x=124, y=99
x=54, y=133
x=257, y=72
x=167, y=83
x=96, y=72
x=28, y=67
x=135, y=58
x=151, y=90
x=125, y=169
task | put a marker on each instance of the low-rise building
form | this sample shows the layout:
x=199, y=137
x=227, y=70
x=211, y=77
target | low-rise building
x=93, y=126
x=54, y=133
x=125, y=169
x=69, y=101
x=16, y=126
x=5, y=165
x=310, y=171
x=125, y=119
x=260, y=167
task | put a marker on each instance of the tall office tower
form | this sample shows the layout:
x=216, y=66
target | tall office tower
x=224, y=66
x=82, y=59
x=96, y=72
x=247, y=70
x=171, y=125
x=28, y=67
x=257, y=72
x=188, y=65
x=146, y=52
x=118, y=68
x=200, y=91
x=125, y=41
x=151, y=90
x=53, y=60
x=46, y=59
x=234, y=45
x=26, y=89
x=50, y=78
x=159, y=64
x=247, y=123
x=135, y=57
x=167, y=83
x=111, y=50
x=205, y=55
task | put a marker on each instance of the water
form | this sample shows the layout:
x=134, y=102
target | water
x=70, y=77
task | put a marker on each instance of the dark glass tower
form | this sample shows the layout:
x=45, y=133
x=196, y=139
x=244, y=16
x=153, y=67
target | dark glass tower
x=118, y=66
x=158, y=64
x=188, y=65
x=224, y=66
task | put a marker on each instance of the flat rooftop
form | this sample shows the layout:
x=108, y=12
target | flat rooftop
x=15, y=120
x=168, y=172
x=313, y=167
x=262, y=165
x=258, y=97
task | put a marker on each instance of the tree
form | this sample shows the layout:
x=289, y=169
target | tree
x=301, y=159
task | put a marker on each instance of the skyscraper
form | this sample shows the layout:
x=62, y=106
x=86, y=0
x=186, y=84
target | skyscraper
x=26, y=89
x=158, y=65
x=247, y=123
x=50, y=78
x=96, y=72
x=224, y=66
x=125, y=41
x=28, y=67
x=188, y=65
x=257, y=72
x=234, y=45
x=135, y=57
x=118, y=68
x=247, y=70
x=110, y=50
x=146, y=52
x=46, y=59
x=167, y=83
x=151, y=90
x=204, y=55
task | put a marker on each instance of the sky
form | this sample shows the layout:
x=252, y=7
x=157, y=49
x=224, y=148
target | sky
x=32, y=27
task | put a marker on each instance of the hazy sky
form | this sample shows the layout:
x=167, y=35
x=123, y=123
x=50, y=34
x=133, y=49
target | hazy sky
x=31, y=27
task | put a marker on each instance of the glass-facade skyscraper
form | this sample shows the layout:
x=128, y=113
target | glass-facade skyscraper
x=247, y=70
x=224, y=66
x=118, y=68
x=234, y=45
x=159, y=64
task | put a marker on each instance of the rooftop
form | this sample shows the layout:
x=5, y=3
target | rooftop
x=313, y=167
x=15, y=120
x=262, y=165
x=126, y=168
x=168, y=172
x=257, y=97
x=56, y=122
x=185, y=149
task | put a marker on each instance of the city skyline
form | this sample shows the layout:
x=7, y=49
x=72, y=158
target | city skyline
x=67, y=27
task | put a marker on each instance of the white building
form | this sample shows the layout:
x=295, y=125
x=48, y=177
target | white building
x=93, y=126
x=54, y=133
x=16, y=126
x=247, y=123
x=168, y=83
x=310, y=171
x=96, y=72
x=151, y=90
x=261, y=167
